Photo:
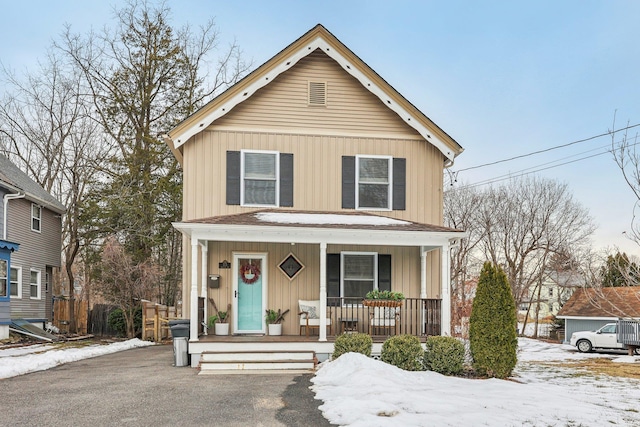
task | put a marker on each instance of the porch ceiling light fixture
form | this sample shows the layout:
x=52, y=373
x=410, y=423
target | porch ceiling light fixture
x=291, y=266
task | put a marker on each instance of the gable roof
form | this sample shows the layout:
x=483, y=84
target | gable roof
x=316, y=38
x=12, y=178
x=603, y=302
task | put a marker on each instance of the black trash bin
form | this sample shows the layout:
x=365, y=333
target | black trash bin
x=180, y=333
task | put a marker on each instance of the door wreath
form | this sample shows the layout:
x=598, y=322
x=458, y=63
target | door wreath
x=249, y=273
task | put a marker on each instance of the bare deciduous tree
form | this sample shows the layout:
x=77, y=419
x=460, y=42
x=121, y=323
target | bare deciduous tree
x=125, y=282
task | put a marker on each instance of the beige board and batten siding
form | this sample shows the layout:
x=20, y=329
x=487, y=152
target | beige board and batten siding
x=37, y=250
x=278, y=118
x=283, y=293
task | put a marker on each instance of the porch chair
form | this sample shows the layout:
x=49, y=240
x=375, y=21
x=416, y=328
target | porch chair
x=384, y=318
x=310, y=315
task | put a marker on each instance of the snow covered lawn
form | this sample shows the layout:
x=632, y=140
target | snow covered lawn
x=360, y=391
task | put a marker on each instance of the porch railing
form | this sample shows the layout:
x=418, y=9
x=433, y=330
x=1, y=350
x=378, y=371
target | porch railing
x=416, y=316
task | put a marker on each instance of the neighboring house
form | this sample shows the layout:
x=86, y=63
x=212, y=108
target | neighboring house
x=31, y=218
x=590, y=308
x=555, y=291
x=313, y=179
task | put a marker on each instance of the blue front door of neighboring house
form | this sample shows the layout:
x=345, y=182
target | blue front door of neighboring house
x=250, y=273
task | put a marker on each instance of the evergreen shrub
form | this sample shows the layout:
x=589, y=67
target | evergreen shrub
x=403, y=351
x=444, y=355
x=356, y=343
x=116, y=321
x=493, y=338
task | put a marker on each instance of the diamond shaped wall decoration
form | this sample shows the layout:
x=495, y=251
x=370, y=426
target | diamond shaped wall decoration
x=291, y=266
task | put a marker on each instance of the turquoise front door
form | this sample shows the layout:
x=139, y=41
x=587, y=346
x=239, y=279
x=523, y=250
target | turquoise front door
x=250, y=292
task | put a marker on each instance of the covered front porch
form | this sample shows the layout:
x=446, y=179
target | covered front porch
x=420, y=264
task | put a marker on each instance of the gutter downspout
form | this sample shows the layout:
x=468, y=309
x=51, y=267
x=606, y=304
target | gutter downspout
x=5, y=207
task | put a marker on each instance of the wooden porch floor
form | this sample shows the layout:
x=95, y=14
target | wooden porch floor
x=279, y=339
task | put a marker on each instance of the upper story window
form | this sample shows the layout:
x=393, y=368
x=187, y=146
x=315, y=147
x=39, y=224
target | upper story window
x=36, y=217
x=259, y=178
x=373, y=182
x=260, y=173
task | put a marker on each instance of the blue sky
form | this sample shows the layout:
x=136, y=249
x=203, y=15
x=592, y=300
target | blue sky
x=503, y=78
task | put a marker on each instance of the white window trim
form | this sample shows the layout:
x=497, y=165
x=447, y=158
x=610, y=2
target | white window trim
x=6, y=263
x=19, y=286
x=277, y=180
x=389, y=183
x=39, y=230
x=39, y=284
x=375, y=269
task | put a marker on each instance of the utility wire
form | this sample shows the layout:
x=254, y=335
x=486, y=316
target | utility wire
x=549, y=149
x=539, y=168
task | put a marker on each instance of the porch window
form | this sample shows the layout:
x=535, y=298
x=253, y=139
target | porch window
x=359, y=274
x=3, y=278
x=353, y=274
x=36, y=217
x=34, y=284
x=15, y=278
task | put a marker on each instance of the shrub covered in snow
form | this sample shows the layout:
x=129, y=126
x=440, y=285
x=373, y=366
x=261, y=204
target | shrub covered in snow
x=444, y=355
x=356, y=343
x=403, y=351
x=493, y=337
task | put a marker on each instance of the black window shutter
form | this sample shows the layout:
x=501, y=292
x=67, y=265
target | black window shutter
x=348, y=182
x=399, y=184
x=384, y=272
x=233, y=177
x=286, y=179
x=333, y=275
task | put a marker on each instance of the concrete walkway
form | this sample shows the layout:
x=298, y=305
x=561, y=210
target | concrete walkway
x=141, y=387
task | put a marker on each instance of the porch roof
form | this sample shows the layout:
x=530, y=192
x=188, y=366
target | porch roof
x=349, y=227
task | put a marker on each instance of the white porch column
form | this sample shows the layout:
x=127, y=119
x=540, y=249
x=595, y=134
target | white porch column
x=323, y=292
x=423, y=272
x=205, y=279
x=193, y=309
x=445, y=293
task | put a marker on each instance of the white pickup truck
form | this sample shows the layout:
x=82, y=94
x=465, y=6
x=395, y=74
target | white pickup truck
x=604, y=338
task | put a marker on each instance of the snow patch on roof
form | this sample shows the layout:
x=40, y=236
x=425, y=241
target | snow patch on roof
x=308, y=218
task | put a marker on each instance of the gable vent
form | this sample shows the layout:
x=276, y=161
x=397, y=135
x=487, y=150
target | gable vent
x=317, y=93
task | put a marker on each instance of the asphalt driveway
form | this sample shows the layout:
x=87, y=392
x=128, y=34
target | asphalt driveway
x=141, y=387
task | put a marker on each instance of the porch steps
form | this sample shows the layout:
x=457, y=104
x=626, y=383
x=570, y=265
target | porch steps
x=247, y=361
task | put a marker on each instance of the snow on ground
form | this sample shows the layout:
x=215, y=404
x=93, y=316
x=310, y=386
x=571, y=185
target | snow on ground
x=22, y=360
x=360, y=391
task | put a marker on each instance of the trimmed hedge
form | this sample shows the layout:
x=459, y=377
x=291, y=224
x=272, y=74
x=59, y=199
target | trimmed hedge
x=352, y=343
x=403, y=351
x=444, y=355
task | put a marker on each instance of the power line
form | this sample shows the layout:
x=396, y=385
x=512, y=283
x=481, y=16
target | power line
x=548, y=149
x=540, y=168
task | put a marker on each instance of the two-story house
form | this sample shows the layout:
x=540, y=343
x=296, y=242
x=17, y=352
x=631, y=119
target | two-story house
x=31, y=228
x=313, y=180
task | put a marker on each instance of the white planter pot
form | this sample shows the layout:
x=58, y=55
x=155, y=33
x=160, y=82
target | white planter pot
x=222, y=328
x=275, y=328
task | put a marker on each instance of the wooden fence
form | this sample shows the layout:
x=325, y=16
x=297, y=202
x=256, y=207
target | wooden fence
x=61, y=317
x=155, y=321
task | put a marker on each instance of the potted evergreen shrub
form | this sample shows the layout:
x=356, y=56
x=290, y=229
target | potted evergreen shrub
x=274, y=319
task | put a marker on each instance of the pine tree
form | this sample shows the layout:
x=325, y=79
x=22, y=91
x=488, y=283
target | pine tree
x=492, y=329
